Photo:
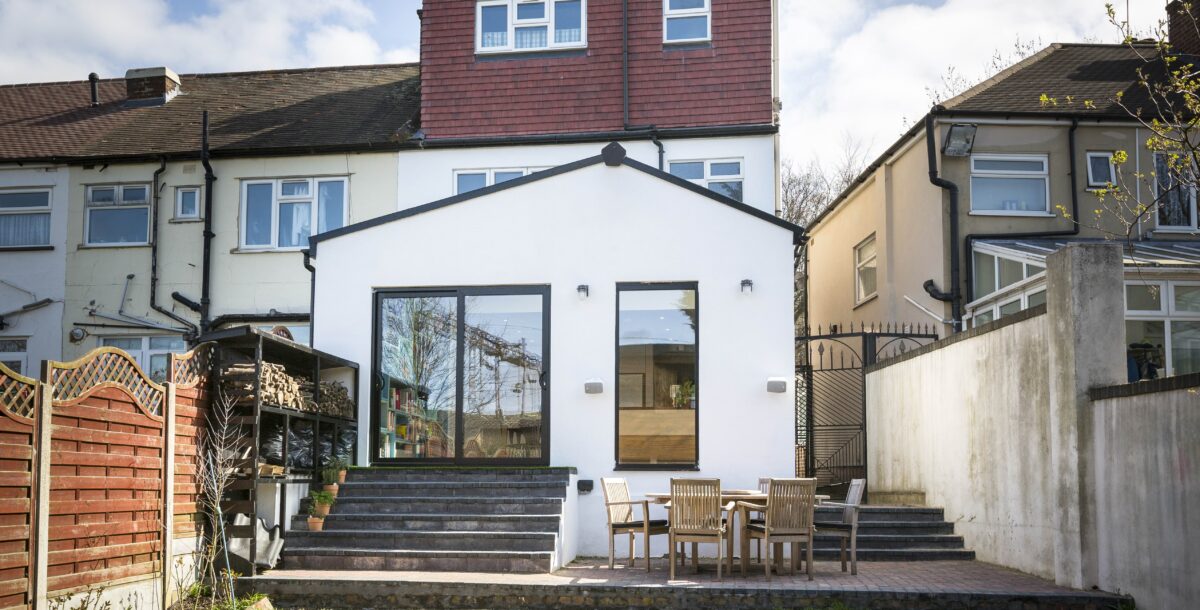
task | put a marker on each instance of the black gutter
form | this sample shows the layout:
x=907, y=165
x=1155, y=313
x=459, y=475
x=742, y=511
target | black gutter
x=252, y=318
x=312, y=296
x=954, y=296
x=154, y=258
x=1072, y=232
x=206, y=264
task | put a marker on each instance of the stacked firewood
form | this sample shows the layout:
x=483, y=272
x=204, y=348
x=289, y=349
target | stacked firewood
x=277, y=386
x=334, y=399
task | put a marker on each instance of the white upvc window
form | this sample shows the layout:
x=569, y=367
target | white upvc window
x=505, y=26
x=153, y=353
x=13, y=354
x=1176, y=199
x=187, y=203
x=724, y=176
x=1010, y=185
x=1100, y=169
x=117, y=215
x=687, y=21
x=865, y=270
x=1162, y=327
x=1033, y=295
x=24, y=217
x=467, y=180
x=994, y=272
x=282, y=214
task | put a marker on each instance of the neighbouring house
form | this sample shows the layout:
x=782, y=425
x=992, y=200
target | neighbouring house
x=1019, y=158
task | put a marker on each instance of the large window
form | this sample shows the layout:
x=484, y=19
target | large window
x=467, y=180
x=687, y=20
x=723, y=176
x=1162, y=328
x=24, y=218
x=282, y=214
x=118, y=215
x=530, y=25
x=1176, y=200
x=1003, y=286
x=865, y=270
x=12, y=354
x=153, y=354
x=1010, y=185
x=657, y=372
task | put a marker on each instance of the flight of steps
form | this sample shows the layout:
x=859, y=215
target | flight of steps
x=895, y=533
x=440, y=519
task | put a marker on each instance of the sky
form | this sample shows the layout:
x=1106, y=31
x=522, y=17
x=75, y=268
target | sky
x=851, y=70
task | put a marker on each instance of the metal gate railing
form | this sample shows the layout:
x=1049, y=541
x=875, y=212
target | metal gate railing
x=831, y=425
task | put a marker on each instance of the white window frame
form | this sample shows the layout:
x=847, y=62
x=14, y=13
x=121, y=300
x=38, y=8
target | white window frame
x=991, y=305
x=1044, y=175
x=145, y=353
x=490, y=173
x=1093, y=181
x=1194, y=213
x=179, y=191
x=669, y=14
x=118, y=202
x=29, y=211
x=1029, y=275
x=1167, y=314
x=513, y=24
x=22, y=357
x=860, y=263
x=277, y=197
x=708, y=175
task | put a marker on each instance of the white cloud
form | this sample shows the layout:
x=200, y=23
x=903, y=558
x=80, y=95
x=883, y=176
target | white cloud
x=861, y=68
x=47, y=40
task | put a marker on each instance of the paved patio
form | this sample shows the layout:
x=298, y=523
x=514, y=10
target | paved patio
x=589, y=584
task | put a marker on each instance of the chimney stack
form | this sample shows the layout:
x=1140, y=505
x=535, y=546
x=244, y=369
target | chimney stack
x=151, y=84
x=94, y=81
x=1182, y=28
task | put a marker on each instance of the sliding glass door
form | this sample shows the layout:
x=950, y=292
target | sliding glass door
x=462, y=376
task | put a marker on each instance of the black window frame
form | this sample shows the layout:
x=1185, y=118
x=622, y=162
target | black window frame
x=650, y=286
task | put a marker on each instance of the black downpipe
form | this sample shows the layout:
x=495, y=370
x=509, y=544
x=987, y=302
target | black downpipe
x=1073, y=231
x=154, y=256
x=954, y=295
x=312, y=296
x=206, y=268
x=625, y=87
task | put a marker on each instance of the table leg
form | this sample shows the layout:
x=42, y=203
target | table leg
x=742, y=516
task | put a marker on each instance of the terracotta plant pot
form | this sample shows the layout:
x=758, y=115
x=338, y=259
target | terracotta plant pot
x=331, y=488
x=341, y=476
x=316, y=524
x=321, y=510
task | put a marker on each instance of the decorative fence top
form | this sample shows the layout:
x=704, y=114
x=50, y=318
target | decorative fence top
x=106, y=367
x=18, y=393
x=190, y=369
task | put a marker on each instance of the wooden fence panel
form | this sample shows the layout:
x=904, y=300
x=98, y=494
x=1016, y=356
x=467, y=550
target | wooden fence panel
x=190, y=373
x=18, y=408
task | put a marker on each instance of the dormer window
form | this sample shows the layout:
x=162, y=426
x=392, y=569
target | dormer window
x=505, y=26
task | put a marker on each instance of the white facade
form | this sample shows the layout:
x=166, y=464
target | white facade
x=429, y=174
x=31, y=275
x=596, y=226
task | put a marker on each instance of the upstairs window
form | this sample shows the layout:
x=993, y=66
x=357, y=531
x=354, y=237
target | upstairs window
x=118, y=215
x=1176, y=200
x=687, y=20
x=1101, y=172
x=1010, y=185
x=187, y=203
x=721, y=176
x=283, y=214
x=467, y=180
x=530, y=25
x=24, y=218
x=865, y=270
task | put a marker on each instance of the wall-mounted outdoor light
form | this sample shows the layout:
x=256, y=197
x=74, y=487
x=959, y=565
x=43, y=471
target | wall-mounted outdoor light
x=585, y=485
x=960, y=139
x=747, y=286
x=777, y=385
x=593, y=386
x=583, y=291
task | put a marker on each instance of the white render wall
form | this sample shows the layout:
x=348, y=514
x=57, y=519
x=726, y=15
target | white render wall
x=41, y=272
x=598, y=226
x=428, y=175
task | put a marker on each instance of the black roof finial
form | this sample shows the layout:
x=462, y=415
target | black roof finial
x=613, y=154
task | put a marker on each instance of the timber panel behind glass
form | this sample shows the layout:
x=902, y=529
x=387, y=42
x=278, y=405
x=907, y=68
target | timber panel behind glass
x=417, y=377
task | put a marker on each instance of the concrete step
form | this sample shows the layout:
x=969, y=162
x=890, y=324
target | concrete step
x=884, y=513
x=460, y=474
x=490, y=489
x=874, y=542
x=831, y=554
x=904, y=528
x=447, y=505
x=427, y=541
x=306, y=558
x=439, y=523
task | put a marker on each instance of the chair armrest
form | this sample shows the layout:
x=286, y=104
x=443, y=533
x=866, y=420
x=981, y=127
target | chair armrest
x=729, y=507
x=751, y=505
x=627, y=503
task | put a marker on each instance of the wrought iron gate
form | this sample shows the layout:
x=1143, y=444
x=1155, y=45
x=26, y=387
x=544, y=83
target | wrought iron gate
x=831, y=426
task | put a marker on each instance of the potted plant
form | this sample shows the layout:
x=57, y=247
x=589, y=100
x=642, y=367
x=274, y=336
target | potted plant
x=321, y=502
x=342, y=466
x=329, y=475
x=316, y=522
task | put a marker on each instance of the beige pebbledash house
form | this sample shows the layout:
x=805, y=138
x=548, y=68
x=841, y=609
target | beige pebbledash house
x=953, y=223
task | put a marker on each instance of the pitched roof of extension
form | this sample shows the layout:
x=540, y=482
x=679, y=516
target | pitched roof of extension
x=618, y=157
x=1069, y=74
x=302, y=110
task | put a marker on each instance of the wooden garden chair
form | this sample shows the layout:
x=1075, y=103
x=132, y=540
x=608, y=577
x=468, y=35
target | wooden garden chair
x=696, y=517
x=846, y=529
x=788, y=518
x=618, y=507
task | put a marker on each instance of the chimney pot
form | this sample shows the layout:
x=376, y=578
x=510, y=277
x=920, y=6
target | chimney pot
x=1182, y=28
x=93, y=82
x=159, y=83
